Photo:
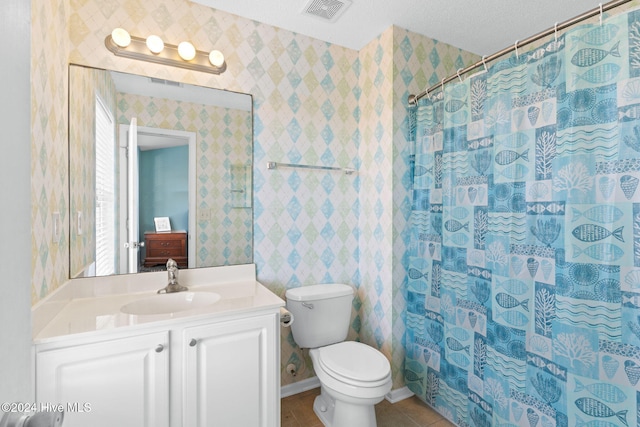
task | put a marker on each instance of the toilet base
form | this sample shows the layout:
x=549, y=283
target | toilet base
x=324, y=410
x=336, y=413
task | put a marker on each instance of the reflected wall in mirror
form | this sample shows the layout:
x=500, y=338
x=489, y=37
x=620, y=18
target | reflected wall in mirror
x=143, y=148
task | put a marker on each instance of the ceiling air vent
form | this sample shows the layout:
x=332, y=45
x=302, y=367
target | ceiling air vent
x=164, y=82
x=328, y=10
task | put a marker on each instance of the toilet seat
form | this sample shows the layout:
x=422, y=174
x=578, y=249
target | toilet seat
x=355, y=364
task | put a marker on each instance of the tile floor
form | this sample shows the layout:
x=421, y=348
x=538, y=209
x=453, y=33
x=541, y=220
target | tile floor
x=297, y=411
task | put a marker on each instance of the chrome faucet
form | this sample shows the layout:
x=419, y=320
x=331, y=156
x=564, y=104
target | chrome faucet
x=173, y=286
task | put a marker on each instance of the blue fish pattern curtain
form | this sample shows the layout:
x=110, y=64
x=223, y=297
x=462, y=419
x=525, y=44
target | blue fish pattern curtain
x=523, y=288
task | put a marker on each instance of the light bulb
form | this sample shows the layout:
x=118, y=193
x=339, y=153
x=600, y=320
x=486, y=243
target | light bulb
x=121, y=37
x=186, y=51
x=216, y=58
x=155, y=44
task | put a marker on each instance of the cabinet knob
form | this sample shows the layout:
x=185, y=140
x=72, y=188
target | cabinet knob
x=193, y=342
x=159, y=348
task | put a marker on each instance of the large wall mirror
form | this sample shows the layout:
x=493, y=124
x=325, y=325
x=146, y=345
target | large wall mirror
x=157, y=169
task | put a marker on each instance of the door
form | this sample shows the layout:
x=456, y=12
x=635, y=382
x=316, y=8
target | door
x=133, y=247
x=231, y=374
x=122, y=382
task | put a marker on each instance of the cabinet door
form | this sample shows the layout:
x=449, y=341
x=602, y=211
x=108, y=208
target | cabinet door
x=122, y=382
x=231, y=374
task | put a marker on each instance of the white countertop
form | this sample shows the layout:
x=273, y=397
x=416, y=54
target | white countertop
x=93, y=304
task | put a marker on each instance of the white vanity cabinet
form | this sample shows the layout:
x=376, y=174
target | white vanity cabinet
x=210, y=371
x=229, y=379
x=118, y=382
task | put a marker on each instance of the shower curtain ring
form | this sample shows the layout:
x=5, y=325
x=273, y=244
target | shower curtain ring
x=427, y=94
x=442, y=87
x=458, y=73
x=516, y=46
x=601, y=14
x=484, y=63
x=555, y=31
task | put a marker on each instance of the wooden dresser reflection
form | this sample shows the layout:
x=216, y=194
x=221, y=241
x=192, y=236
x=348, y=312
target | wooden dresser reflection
x=162, y=246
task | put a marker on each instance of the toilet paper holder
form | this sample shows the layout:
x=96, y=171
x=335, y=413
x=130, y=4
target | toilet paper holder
x=286, y=318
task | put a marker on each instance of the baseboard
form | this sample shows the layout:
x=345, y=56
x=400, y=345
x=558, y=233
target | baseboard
x=399, y=394
x=299, y=387
x=393, y=396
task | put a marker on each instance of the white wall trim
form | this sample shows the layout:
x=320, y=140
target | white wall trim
x=299, y=387
x=395, y=396
x=17, y=367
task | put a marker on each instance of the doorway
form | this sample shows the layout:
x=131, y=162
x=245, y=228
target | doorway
x=159, y=152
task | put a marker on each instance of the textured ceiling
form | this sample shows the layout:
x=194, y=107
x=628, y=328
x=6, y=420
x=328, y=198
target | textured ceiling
x=481, y=27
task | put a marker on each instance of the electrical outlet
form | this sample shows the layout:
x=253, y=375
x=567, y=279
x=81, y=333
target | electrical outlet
x=204, y=214
x=80, y=221
x=57, y=225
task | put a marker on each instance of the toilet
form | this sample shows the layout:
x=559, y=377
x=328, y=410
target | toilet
x=353, y=376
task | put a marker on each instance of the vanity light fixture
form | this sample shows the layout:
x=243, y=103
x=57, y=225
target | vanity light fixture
x=186, y=51
x=153, y=49
x=216, y=58
x=121, y=37
x=155, y=44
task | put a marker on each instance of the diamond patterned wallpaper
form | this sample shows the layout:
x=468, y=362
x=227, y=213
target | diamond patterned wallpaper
x=393, y=66
x=314, y=103
x=49, y=152
x=376, y=259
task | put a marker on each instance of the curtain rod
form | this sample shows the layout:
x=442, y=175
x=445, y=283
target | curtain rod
x=413, y=99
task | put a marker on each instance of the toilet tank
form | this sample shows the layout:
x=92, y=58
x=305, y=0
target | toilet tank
x=321, y=314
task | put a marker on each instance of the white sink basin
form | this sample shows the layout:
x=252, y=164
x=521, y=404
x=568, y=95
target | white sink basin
x=170, y=303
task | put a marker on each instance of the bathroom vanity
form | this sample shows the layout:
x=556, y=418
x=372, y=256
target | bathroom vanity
x=114, y=359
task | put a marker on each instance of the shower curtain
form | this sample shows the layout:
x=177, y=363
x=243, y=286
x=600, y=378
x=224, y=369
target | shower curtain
x=523, y=288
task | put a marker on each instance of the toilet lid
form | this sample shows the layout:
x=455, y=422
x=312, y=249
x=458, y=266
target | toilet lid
x=354, y=361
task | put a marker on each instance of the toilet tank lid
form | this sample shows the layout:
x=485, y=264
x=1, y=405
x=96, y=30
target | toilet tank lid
x=315, y=292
